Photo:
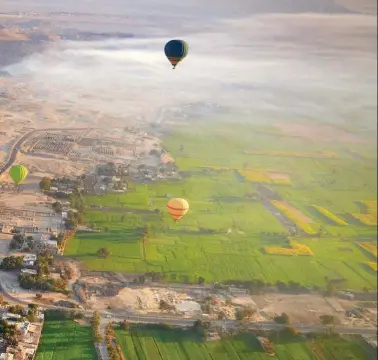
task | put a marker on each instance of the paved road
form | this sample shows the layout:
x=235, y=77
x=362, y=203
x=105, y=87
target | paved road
x=179, y=321
x=17, y=145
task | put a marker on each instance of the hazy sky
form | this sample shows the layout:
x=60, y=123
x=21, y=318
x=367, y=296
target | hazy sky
x=281, y=65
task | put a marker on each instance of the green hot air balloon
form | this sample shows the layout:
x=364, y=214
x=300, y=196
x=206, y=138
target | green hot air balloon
x=18, y=173
x=176, y=51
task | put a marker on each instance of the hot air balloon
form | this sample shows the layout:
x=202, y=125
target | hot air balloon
x=18, y=173
x=175, y=51
x=177, y=208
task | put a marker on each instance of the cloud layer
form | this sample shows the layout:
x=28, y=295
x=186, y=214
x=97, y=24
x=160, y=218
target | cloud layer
x=288, y=66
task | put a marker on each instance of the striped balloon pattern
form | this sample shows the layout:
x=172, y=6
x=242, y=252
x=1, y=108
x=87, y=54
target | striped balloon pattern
x=176, y=51
x=177, y=208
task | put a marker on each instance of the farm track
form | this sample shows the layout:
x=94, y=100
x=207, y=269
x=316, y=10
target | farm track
x=121, y=209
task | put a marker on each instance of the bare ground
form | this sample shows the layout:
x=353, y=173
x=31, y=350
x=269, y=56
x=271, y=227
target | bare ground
x=9, y=281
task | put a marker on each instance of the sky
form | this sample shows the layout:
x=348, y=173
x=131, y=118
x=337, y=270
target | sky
x=263, y=60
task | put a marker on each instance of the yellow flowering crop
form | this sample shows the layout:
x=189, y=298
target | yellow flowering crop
x=329, y=215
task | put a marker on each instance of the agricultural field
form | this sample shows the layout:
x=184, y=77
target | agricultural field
x=63, y=334
x=234, y=218
x=145, y=344
x=294, y=249
x=336, y=220
x=369, y=214
x=370, y=248
x=261, y=176
x=303, y=222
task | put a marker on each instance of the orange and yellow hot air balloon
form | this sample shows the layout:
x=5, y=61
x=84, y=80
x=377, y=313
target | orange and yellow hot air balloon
x=177, y=208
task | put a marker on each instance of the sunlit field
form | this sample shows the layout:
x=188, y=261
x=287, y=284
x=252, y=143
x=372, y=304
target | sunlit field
x=65, y=340
x=233, y=222
x=145, y=344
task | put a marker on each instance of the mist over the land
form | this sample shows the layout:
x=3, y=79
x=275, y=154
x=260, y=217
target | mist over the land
x=283, y=66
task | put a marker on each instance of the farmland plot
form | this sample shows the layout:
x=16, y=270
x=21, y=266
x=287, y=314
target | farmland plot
x=176, y=344
x=227, y=227
x=60, y=335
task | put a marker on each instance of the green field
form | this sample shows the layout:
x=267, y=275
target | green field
x=146, y=344
x=66, y=340
x=224, y=233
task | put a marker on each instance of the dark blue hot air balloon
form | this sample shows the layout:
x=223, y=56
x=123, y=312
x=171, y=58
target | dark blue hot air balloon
x=175, y=51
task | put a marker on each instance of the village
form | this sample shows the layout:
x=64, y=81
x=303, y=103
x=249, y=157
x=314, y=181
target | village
x=91, y=146
x=35, y=227
x=37, y=222
x=21, y=332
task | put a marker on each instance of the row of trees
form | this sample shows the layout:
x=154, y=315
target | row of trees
x=255, y=286
x=95, y=324
x=114, y=350
x=163, y=276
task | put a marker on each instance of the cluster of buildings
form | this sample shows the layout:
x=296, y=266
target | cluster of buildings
x=60, y=143
x=21, y=221
x=29, y=336
x=42, y=241
x=109, y=184
x=29, y=264
x=154, y=173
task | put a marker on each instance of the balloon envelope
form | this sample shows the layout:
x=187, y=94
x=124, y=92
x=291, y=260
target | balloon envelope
x=18, y=173
x=177, y=208
x=175, y=51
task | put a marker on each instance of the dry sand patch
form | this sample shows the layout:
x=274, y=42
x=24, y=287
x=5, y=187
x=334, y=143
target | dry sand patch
x=58, y=167
x=304, y=309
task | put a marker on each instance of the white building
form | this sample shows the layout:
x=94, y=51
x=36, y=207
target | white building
x=30, y=257
x=29, y=271
x=23, y=327
x=25, y=229
x=6, y=356
x=50, y=244
x=41, y=236
x=6, y=316
x=29, y=260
